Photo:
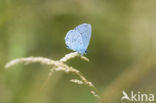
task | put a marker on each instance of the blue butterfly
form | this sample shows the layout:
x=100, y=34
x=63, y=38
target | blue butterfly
x=78, y=39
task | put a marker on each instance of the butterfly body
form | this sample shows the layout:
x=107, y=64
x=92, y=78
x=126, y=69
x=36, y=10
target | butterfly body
x=78, y=39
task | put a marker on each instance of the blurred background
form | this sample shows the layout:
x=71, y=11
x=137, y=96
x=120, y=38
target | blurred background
x=121, y=51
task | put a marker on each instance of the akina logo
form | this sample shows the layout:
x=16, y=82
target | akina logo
x=137, y=97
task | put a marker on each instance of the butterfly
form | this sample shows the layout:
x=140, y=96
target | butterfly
x=78, y=39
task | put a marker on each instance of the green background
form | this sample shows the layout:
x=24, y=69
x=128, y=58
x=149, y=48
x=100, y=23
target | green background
x=121, y=51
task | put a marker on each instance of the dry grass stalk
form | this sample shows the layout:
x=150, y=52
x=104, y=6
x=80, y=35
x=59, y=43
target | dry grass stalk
x=58, y=66
x=72, y=55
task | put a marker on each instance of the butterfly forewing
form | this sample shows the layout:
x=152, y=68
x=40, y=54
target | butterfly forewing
x=85, y=31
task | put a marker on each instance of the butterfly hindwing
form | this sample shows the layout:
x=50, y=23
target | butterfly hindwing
x=74, y=41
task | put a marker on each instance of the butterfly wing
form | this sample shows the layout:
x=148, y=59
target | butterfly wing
x=85, y=31
x=74, y=41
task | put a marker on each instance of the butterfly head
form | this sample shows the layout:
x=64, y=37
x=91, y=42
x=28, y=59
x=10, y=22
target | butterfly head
x=86, y=52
